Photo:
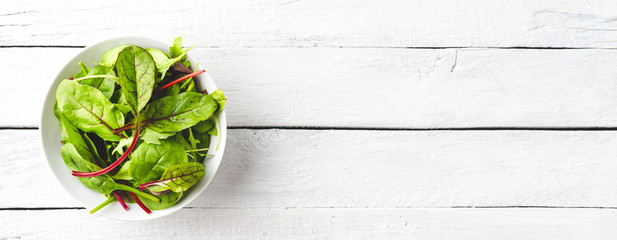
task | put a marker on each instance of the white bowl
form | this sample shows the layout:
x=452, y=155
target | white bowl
x=50, y=135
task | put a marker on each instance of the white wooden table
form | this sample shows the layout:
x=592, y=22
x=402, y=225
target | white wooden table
x=443, y=119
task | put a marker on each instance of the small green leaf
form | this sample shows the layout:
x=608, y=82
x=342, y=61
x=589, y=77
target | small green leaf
x=105, y=84
x=153, y=137
x=220, y=98
x=110, y=57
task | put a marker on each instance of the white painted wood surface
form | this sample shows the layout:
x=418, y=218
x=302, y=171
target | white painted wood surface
x=363, y=68
x=321, y=23
x=382, y=88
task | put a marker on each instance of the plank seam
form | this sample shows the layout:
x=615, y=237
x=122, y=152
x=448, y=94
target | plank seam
x=360, y=47
x=394, y=129
x=450, y=207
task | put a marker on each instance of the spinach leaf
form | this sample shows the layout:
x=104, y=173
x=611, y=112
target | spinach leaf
x=168, y=199
x=136, y=72
x=110, y=57
x=89, y=110
x=175, y=113
x=106, y=85
x=180, y=177
x=149, y=161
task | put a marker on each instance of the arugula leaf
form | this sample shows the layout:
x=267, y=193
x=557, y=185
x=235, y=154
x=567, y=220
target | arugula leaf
x=149, y=161
x=180, y=177
x=136, y=72
x=89, y=110
x=175, y=113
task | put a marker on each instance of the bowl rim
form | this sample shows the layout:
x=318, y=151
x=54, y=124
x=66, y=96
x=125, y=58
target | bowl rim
x=222, y=130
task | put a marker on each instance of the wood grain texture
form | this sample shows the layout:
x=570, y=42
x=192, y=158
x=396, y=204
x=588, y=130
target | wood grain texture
x=374, y=169
x=321, y=23
x=381, y=88
x=319, y=224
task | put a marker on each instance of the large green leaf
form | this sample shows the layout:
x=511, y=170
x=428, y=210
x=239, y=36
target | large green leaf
x=136, y=73
x=175, y=113
x=149, y=161
x=88, y=109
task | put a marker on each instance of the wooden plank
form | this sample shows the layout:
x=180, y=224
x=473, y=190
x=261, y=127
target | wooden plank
x=375, y=169
x=400, y=23
x=319, y=223
x=382, y=88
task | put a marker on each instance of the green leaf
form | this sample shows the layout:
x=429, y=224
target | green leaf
x=110, y=57
x=180, y=177
x=88, y=109
x=125, y=142
x=220, y=98
x=149, y=161
x=105, y=85
x=175, y=113
x=123, y=173
x=153, y=137
x=204, y=126
x=168, y=199
x=176, y=49
x=136, y=72
x=83, y=72
x=163, y=61
x=102, y=183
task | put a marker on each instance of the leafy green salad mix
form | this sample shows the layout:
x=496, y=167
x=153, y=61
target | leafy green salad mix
x=135, y=128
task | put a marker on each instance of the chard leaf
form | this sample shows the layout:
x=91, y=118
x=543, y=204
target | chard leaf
x=175, y=113
x=106, y=85
x=110, y=57
x=88, y=109
x=149, y=161
x=136, y=72
x=180, y=177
